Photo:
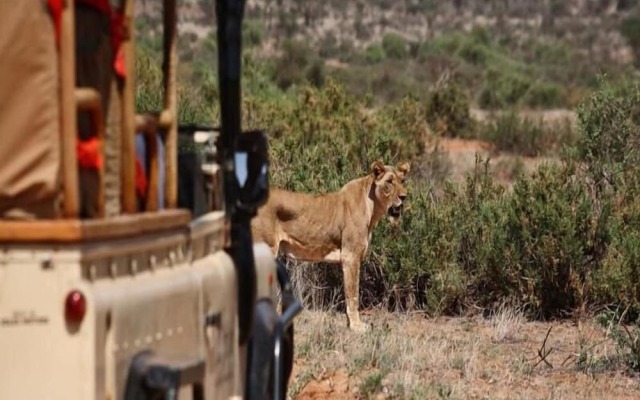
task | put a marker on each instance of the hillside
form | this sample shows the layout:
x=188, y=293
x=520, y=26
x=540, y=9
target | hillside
x=589, y=25
x=504, y=53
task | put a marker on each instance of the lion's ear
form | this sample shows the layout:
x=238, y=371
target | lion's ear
x=377, y=168
x=403, y=168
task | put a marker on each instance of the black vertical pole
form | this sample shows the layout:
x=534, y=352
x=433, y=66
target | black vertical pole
x=230, y=14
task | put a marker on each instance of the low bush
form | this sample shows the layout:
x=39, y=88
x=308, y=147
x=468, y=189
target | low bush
x=448, y=110
x=510, y=133
x=395, y=46
x=544, y=95
x=374, y=54
x=297, y=64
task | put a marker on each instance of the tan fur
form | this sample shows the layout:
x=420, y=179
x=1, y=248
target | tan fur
x=333, y=227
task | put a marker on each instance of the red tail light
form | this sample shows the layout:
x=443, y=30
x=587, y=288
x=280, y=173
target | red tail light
x=75, y=307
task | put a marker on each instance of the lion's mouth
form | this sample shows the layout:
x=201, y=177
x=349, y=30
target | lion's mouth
x=394, y=211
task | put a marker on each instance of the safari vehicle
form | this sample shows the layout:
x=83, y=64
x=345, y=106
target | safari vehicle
x=113, y=284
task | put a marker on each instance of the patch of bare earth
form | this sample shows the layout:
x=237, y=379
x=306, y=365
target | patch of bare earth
x=415, y=357
x=462, y=156
x=462, y=153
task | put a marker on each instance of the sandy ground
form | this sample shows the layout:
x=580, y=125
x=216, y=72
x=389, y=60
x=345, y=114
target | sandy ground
x=462, y=153
x=410, y=356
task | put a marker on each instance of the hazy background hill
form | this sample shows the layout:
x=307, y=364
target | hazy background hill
x=539, y=54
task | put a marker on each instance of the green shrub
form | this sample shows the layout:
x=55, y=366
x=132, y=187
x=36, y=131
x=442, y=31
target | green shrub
x=252, y=32
x=395, y=46
x=503, y=88
x=610, y=137
x=550, y=53
x=476, y=48
x=557, y=236
x=630, y=29
x=374, y=54
x=193, y=106
x=448, y=110
x=544, y=95
x=426, y=50
x=384, y=83
x=148, y=82
x=609, y=147
x=423, y=272
x=296, y=64
x=477, y=239
x=315, y=73
x=617, y=283
x=508, y=132
x=535, y=246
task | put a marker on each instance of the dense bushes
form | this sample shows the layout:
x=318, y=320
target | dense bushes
x=630, y=29
x=609, y=148
x=535, y=247
x=495, y=74
x=297, y=64
x=320, y=138
x=553, y=245
x=566, y=238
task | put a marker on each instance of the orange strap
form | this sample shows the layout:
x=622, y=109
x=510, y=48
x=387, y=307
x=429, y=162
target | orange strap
x=90, y=157
x=89, y=154
x=116, y=18
x=117, y=37
x=55, y=8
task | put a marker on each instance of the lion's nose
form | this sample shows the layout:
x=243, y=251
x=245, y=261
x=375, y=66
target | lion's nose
x=402, y=197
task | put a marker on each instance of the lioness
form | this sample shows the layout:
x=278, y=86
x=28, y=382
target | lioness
x=333, y=227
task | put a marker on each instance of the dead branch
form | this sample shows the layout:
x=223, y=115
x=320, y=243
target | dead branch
x=543, y=353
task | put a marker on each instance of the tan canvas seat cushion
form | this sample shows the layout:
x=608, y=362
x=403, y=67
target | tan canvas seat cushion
x=29, y=110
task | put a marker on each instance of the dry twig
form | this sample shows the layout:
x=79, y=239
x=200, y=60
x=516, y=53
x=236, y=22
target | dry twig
x=543, y=353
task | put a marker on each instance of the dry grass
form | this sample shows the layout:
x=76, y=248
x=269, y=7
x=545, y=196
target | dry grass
x=507, y=323
x=314, y=284
x=413, y=357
